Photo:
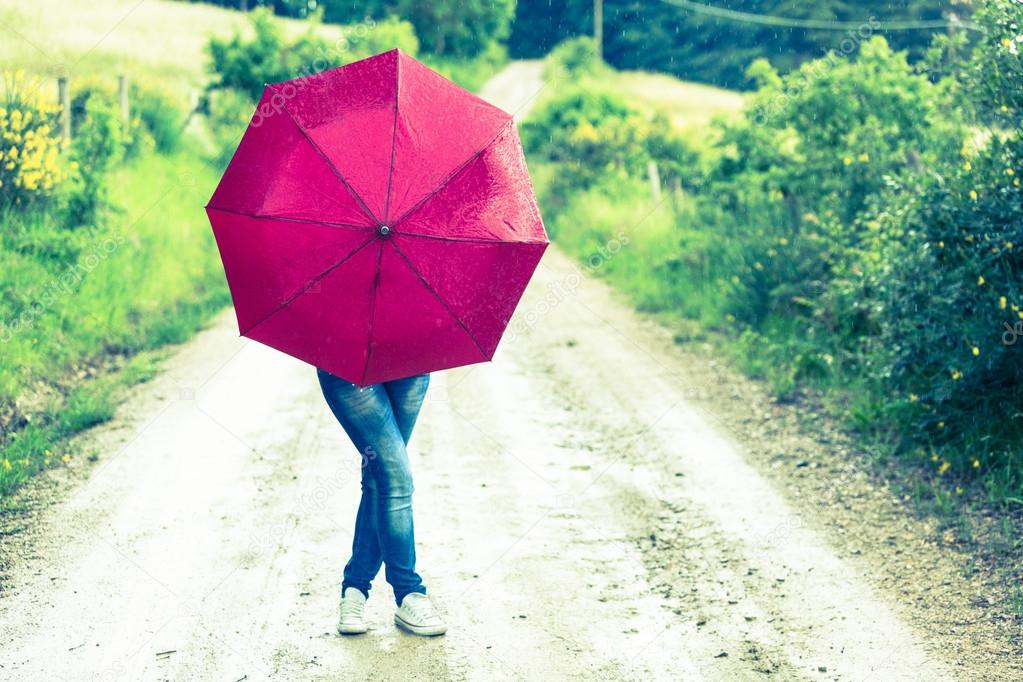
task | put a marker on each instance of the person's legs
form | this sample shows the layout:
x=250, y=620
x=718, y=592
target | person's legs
x=406, y=398
x=366, y=555
x=367, y=416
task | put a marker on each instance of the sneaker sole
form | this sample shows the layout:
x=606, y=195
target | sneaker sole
x=419, y=629
x=350, y=630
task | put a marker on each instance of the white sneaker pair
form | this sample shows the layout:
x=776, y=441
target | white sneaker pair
x=416, y=614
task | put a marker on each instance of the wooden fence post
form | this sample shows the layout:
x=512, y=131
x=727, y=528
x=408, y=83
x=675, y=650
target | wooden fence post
x=64, y=96
x=122, y=91
x=676, y=192
x=655, y=179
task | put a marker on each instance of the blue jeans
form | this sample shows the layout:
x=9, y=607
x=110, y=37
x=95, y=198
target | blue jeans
x=379, y=419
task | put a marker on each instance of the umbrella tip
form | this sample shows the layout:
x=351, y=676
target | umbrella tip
x=383, y=230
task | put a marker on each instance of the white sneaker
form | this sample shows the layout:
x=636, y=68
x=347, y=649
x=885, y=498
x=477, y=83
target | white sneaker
x=418, y=615
x=353, y=607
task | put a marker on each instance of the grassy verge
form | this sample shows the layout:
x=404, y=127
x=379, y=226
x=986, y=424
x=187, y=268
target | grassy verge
x=92, y=303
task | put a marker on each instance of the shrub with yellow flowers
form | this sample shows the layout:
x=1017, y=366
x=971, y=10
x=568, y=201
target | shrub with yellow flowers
x=596, y=134
x=947, y=299
x=30, y=143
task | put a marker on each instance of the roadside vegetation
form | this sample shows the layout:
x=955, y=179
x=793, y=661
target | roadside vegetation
x=853, y=233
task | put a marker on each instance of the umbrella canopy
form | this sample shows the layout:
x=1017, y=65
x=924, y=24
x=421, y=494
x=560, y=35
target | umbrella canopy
x=377, y=221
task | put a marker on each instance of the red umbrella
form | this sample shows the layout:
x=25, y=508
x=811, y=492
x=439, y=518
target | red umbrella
x=377, y=221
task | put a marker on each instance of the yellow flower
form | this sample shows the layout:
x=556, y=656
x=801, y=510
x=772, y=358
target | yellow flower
x=1009, y=171
x=913, y=397
x=945, y=466
x=1001, y=302
x=7, y=463
x=976, y=351
x=973, y=194
x=959, y=490
x=847, y=160
x=976, y=463
x=980, y=281
x=1008, y=246
x=967, y=166
x=585, y=132
x=941, y=244
x=956, y=376
x=66, y=459
x=864, y=157
x=1006, y=42
x=1015, y=181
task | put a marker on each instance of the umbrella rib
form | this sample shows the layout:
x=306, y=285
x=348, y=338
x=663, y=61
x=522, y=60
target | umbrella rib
x=446, y=181
x=266, y=216
x=284, y=304
x=394, y=134
x=474, y=240
x=372, y=314
x=439, y=299
x=340, y=177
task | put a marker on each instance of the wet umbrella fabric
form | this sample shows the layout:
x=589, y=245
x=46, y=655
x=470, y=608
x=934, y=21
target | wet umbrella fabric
x=377, y=221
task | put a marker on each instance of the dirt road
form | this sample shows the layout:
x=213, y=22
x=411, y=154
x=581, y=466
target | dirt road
x=578, y=516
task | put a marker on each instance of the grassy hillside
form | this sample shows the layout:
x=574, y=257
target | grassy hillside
x=155, y=38
x=686, y=104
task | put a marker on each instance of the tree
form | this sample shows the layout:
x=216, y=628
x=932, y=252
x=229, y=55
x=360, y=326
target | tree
x=658, y=36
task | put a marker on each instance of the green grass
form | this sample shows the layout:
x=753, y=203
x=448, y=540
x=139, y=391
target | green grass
x=150, y=276
x=686, y=104
x=157, y=39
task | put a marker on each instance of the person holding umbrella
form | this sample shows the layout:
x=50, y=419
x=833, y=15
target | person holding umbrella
x=378, y=222
x=379, y=419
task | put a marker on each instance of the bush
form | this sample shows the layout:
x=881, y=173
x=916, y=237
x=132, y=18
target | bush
x=943, y=298
x=799, y=175
x=30, y=144
x=103, y=93
x=98, y=144
x=229, y=113
x=946, y=304
x=592, y=131
x=160, y=113
x=248, y=64
x=573, y=58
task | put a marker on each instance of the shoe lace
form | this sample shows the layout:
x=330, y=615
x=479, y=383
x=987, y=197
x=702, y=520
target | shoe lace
x=352, y=608
x=420, y=608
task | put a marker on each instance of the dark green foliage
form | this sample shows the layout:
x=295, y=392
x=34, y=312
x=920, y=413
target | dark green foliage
x=466, y=28
x=247, y=64
x=658, y=36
